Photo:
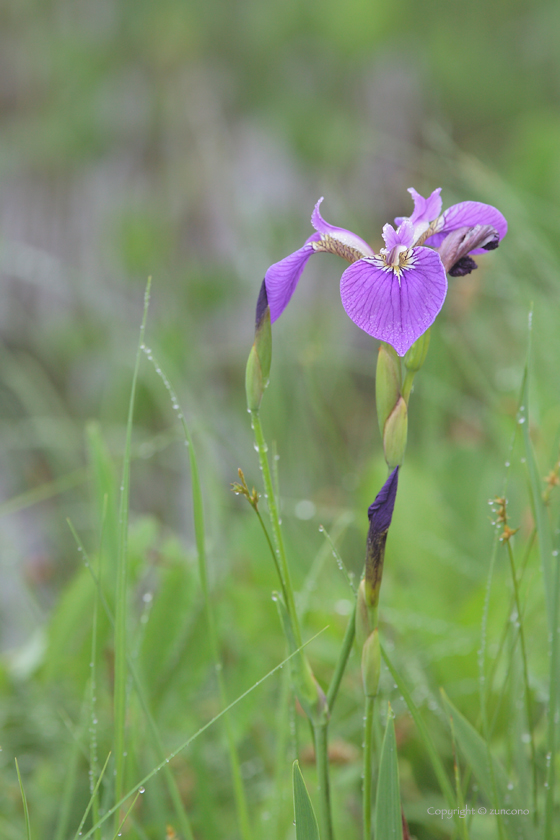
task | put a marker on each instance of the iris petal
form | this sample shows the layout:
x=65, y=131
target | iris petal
x=343, y=235
x=396, y=309
x=282, y=278
x=468, y=214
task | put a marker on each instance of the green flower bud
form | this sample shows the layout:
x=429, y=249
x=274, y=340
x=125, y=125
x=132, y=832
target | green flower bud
x=260, y=357
x=387, y=383
x=416, y=356
x=371, y=664
x=395, y=433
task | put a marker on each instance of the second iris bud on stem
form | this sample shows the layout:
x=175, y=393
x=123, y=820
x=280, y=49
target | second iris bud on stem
x=392, y=393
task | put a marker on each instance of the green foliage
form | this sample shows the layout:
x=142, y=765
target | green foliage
x=189, y=141
x=304, y=815
x=388, y=820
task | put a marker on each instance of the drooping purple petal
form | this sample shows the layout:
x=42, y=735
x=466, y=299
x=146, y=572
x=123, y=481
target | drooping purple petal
x=392, y=308
x=343, y=235
x=282, y=278
x=468, y=214
x=458, y=244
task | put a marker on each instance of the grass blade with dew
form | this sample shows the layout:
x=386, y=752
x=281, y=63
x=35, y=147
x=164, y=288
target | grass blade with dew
x=431, y=751
x=388, y=819
x=553, y=708
x=118, y=832
x=542, y=521
x=173, y=790
x=200, y=538
x=491, y=776
x=196, y=735
x=24, y=801
x=305, y=820
x=121, y=594
x=343, y=522
x=458, y=785
x=91, y=801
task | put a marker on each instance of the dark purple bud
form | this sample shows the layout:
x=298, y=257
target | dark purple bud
x=380, y=514
x=462, y=267
x=262, y=306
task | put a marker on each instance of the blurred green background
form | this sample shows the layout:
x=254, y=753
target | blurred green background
x=190, y=141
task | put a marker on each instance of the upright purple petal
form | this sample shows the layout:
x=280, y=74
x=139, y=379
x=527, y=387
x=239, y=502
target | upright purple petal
x=425, y=211
x=282, y=278
x=396, y=307
x=343, y=235
x=403, y=237
x=468, y=214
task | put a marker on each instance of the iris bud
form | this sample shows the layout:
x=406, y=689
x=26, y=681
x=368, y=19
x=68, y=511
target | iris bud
x=260, y=357
x=387, y=383
x=416, y=356
x=395, y=433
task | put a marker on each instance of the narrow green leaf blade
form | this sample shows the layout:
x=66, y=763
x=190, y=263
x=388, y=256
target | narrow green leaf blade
x=489, y=772
x=25, y=808
x=388, y=819
x=436, y=761
x=307, y=827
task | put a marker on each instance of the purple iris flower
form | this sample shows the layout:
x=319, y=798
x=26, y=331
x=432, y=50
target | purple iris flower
x=396, y=294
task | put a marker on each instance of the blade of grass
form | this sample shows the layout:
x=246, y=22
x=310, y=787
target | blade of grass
x=306, y=824
x=174, y=794
x=542, y=521
x=118, y=832
x=200, y=538
x=458, y=785
x=367, y=780
x=196, y=735
x=527, y=688
x=121, y=594
x=91, y=800
x=491, y=775
x=24, y=800
x=553, y=713
x=388, y=819
x=435, y=760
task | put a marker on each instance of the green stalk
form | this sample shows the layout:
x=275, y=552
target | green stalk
x=119, y=702
x=275, y=521
x=345, y=650
x=320, y=732
x=525, y=678
x=368, y=767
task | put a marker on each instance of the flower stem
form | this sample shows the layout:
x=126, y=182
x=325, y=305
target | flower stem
x=262, y=449
x=320, y=731
x=342, y=659
x=368, y=770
